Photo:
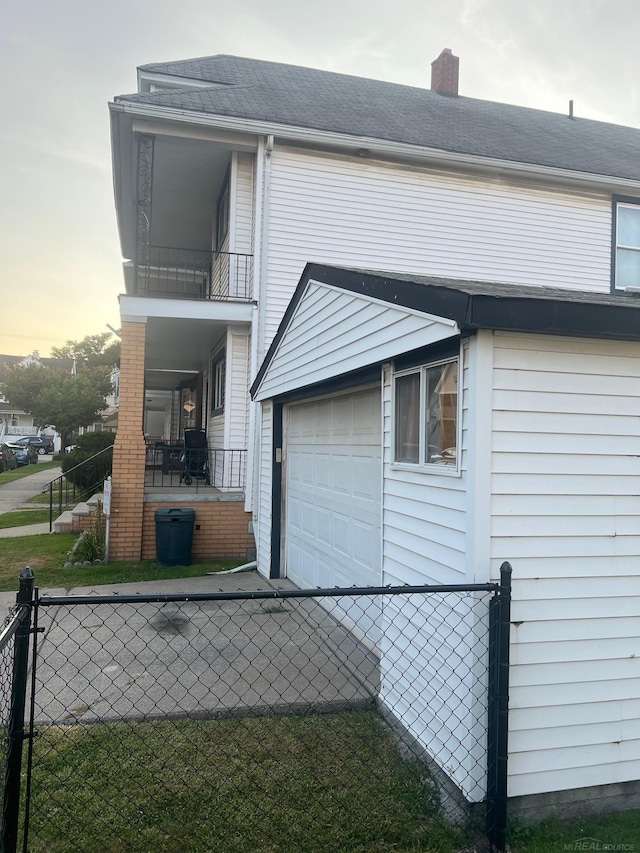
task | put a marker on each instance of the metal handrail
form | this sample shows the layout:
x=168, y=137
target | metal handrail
x=194, y=273
x=76, y=493
x=173, y=465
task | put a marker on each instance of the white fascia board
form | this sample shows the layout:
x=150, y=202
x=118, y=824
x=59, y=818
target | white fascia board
x=140, y=308
x=385, y=148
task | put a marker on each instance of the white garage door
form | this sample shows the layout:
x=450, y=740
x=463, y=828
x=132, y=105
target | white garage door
x=333, y=453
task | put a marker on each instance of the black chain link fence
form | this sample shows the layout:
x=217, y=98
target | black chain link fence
x=14, y=653
x=8, y=631
x=262, y=721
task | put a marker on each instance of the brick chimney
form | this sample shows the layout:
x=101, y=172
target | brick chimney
x=444, y=73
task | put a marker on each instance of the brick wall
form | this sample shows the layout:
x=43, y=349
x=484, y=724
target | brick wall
x=82, y=522
x=223, y=534
x=127, y=497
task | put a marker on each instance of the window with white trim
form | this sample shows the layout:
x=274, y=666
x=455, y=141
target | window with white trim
x=627, y=245
x=426, y=414
x=218, y=379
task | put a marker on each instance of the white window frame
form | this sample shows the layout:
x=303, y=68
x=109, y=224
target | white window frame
x=423, y=464
x=218, y=382
x=619, y=204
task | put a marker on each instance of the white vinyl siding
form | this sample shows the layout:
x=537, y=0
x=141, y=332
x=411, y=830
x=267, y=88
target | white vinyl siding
x=215, y=431
x=333, y=332
x=376, y=216
x=424, y=542
x=237, y=399
x=565, y=507
x=244, y=204
x=424, y=516
x=262, y=523
x=229, y=428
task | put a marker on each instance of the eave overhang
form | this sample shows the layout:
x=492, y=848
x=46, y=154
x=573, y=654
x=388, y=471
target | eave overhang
x=382, y=148
x=474, y=305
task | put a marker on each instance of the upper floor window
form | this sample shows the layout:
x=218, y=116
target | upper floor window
x=627, y=245
x=426, y=414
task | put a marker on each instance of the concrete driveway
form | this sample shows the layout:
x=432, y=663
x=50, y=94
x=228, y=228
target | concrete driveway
x=204, y=659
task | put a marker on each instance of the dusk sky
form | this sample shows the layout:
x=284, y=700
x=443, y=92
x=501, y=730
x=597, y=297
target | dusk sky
x=61, y=62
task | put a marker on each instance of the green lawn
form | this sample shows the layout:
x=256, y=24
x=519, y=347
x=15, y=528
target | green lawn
x=22, y=517
x=44, y=499
x=620, y=831
x=297, y=784
x=280, y=784
x=47, y=554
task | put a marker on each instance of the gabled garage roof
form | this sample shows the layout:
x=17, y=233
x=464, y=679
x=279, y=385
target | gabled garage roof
x=471, y=305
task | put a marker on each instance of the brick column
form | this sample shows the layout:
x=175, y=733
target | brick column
x=127, y=496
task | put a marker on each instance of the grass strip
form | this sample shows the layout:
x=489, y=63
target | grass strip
x=301, y=784
x=44, y=499
x=619, y=831
x=46, y=554
x=22, y=517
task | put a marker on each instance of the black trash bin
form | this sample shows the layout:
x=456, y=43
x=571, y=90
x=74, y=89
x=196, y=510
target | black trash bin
x=174, y=536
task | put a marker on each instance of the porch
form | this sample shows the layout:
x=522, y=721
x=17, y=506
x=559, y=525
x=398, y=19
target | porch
x=173, y=378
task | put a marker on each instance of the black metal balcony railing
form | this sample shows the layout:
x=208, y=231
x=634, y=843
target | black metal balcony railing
x=171, y=465
x=194, y=274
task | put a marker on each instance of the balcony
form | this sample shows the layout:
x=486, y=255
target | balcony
x=194, y=274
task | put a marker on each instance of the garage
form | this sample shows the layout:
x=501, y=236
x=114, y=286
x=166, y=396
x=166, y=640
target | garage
x=332, y=501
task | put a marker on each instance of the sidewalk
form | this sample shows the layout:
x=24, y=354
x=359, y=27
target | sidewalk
x=14, y=495
x=25, y=530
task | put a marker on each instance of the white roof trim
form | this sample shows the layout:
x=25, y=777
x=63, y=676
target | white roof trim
x=382, y=147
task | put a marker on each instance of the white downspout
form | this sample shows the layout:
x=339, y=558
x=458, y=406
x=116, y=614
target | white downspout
x=262, y=178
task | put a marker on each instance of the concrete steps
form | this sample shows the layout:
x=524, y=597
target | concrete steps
x=81, y=517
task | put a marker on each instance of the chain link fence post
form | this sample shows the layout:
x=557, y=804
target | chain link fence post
x=498, y=711
x=15, y=735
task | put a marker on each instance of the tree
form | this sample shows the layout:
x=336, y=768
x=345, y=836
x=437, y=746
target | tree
x=92, y=351
x=58, y=399
x=54, y=397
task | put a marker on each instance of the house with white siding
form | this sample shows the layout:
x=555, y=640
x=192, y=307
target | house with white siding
x=434, y=302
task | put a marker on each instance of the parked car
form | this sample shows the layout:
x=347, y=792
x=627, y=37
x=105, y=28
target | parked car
x=25, y=454
x=41, y=444
x=7, y=458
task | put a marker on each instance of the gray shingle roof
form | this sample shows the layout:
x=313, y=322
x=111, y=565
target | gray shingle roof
x=339, y=103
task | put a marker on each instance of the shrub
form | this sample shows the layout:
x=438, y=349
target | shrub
x=89, y=547
x=91, y=474
x=92, y=442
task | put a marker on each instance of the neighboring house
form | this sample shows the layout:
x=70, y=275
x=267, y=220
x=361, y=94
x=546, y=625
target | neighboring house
x=108, y=418
x=510, y=238
x=13, y=421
